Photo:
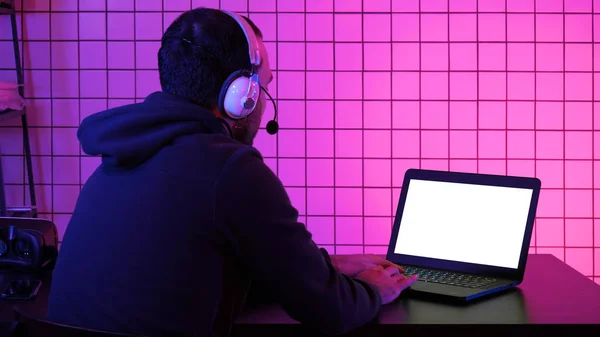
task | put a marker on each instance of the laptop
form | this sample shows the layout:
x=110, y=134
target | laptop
x=466, y=235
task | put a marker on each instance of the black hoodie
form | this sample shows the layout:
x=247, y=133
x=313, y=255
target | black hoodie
x=168, y=232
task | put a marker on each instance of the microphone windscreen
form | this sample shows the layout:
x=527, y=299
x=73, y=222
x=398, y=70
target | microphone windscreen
x=272, y=127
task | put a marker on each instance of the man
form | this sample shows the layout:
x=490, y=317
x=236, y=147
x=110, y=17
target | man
x=183, y=214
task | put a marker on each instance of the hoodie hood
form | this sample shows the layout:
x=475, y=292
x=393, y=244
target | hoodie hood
x=127, y=136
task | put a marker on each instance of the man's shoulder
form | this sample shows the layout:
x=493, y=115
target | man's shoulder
x=215, y=152
x=239, y=155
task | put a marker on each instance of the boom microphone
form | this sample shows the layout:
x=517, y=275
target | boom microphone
x=272, y=126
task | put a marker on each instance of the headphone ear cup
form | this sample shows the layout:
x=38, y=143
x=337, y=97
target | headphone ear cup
x=236, y=100
x=28, y=246
x=233, y=98
x=225, y=96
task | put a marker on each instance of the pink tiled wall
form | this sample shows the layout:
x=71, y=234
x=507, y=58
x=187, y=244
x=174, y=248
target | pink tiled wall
x=366, y=89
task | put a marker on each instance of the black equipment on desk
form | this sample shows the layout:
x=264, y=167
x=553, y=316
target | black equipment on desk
x=21, y=290
x=27, y=244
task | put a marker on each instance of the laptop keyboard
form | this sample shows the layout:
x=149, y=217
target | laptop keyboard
x=450, y=278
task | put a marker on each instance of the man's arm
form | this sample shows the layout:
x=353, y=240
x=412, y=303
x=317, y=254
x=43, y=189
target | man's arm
x=280, y=254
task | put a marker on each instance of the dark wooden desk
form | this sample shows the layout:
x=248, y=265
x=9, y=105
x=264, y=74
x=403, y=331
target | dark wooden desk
x=551, y=293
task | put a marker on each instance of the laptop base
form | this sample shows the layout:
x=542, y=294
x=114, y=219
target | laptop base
x=457, y=293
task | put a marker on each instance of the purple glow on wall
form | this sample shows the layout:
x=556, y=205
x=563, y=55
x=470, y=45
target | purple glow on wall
x=366, y=89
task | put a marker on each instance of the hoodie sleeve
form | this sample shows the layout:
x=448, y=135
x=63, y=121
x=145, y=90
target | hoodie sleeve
x=279, y=252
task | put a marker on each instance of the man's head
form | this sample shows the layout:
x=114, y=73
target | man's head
x=199, y=51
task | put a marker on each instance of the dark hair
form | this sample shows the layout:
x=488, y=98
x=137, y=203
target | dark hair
x=198, y=51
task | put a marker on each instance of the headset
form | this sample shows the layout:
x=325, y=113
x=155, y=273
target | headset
x=27, y=244
x=240, y=92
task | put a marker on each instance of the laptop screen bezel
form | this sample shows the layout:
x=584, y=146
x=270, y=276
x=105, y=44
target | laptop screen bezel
x=533, y=184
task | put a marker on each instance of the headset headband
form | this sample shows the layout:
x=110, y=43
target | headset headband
x=253, y=49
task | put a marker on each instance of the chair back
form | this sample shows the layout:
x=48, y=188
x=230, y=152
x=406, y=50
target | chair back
x=25, y=325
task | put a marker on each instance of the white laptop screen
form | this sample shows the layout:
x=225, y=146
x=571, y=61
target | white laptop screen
x=464, y=222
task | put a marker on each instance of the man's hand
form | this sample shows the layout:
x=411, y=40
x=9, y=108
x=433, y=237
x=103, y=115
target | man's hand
x=355, y=264
x=388, y=281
